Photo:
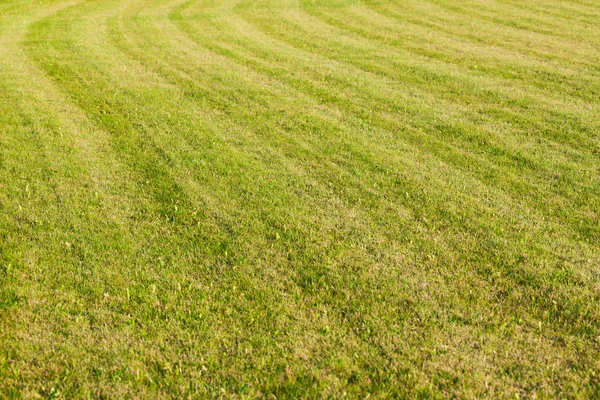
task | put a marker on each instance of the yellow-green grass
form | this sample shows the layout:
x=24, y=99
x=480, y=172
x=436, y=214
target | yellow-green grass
x=308, y=198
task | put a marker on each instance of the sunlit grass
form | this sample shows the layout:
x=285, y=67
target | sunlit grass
x=299, y=198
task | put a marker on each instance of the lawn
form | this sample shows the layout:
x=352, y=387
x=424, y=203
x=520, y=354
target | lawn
x=299, y=199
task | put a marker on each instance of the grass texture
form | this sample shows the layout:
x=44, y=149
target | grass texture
x=299, y=198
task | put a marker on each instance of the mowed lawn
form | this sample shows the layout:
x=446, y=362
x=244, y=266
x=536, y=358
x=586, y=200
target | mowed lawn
x=299, y=198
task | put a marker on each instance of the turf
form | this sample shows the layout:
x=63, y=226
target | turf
x=307, y=198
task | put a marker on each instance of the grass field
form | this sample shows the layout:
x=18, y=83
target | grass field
x=307, y=198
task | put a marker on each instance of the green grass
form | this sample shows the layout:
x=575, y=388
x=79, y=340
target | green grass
x=308, y=198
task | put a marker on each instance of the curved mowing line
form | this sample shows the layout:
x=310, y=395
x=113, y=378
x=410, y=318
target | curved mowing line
x=311, y=212
x=95, y=95
x=517, y=73
x=266, y=71
x=519, y=195
x=451, y=94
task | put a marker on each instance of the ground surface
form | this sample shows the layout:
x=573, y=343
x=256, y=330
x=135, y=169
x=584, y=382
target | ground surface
x=311, y=198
